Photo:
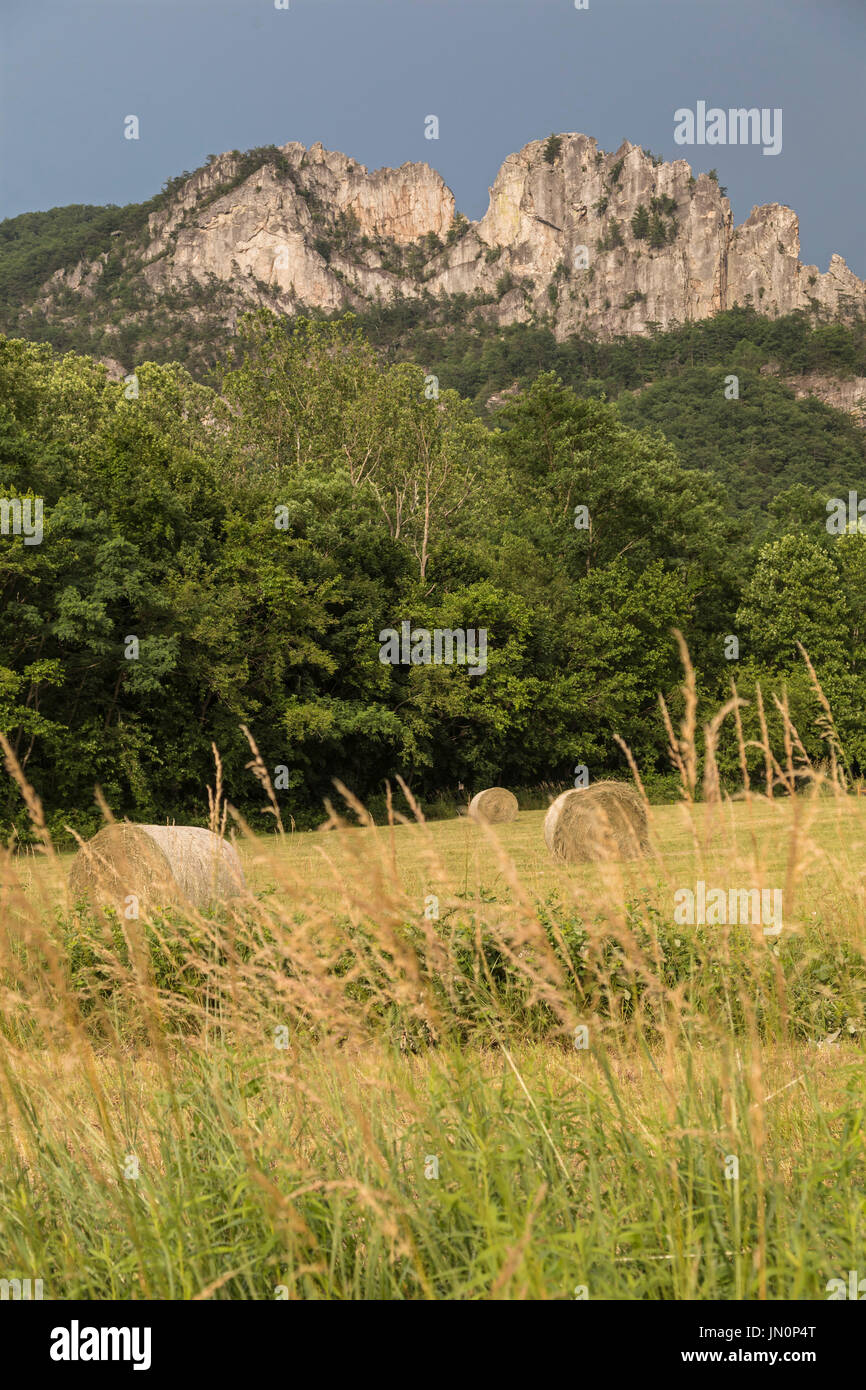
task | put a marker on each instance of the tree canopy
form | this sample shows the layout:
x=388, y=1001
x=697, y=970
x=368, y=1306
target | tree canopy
x=222, y=557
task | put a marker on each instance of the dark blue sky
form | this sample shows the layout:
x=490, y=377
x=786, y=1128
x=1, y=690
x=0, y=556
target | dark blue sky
x=204, y=76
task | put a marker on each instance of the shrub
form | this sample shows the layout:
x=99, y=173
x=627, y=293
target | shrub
x=640, y=223
x=552, y=147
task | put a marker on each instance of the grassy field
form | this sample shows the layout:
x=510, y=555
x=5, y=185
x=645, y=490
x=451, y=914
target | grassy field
x=368, y=1078
x=814, y=846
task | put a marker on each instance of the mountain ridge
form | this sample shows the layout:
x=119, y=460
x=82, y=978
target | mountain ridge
x=582, y=240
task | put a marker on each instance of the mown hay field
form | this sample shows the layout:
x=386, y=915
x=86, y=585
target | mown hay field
x=689, y=842
x=429, y=1061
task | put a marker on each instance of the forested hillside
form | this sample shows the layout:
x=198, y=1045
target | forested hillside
x=255, y=539
x=674, y=382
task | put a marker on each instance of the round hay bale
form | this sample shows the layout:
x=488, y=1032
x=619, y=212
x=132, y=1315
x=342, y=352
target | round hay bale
x=157, y=864
x=206, y=867
x=606, y=820
x=494, y=805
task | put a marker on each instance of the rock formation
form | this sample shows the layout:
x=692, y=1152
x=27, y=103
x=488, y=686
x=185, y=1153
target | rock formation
x=612, y=243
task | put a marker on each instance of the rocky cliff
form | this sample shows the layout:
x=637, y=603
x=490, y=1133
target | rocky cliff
x=581, y=239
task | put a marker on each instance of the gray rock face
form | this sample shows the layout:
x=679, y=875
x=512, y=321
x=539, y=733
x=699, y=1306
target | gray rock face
x=314, y=229
x=270, y=229
x=542, y=213
x=846, y=393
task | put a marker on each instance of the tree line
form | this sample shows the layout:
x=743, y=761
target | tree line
x=214, y=558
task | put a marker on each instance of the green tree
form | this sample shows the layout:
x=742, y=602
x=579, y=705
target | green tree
x=794, y=596
x=658, y=234
x=640, y=222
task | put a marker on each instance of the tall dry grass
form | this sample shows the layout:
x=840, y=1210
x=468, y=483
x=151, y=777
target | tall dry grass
x=424, y=1061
